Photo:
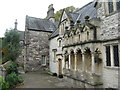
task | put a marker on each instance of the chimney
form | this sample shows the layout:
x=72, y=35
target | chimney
x=50, y=13
x=15, y=24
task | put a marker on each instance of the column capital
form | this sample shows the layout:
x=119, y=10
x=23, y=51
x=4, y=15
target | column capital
x=83, y=53
x=75, y=53
x=92, y=53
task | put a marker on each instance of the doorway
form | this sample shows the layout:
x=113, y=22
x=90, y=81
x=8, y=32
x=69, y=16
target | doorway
x=60, y=66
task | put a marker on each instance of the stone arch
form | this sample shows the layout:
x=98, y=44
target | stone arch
x=77, y=49
x=98, y=61
x=78, y=31
x=88, y=59
x=79, y=60
x=72, y=61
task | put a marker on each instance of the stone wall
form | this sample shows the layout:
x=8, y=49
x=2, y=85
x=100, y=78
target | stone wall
x=53, y=63
x=21, y=57
x=108, y=29
x=36, y=46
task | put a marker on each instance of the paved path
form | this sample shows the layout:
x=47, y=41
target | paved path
x=43, y=80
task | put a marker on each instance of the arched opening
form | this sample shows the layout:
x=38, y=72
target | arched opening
x=79, y=60
x=88, y=60
x=60, y=66
x=88, y=35
x=72, y=56
x=98, y=61
x=66, y=60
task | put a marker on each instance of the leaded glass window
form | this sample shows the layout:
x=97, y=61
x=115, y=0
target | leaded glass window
x=110, y=6
x=118, y=4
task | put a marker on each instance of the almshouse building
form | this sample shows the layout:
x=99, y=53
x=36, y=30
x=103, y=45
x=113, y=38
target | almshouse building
x=85, y=48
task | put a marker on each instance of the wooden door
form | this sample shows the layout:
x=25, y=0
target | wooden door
x=60, y=66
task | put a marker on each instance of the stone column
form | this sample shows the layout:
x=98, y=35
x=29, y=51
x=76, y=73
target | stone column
x=69, y=61
x=112, y=56
x=64, y=63
x=83, y=62
x=93, y=63
x=75, y=61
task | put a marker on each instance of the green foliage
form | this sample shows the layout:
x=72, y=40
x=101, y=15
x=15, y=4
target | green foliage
x=3, y=84
x=0, y=48
x=11, y=45
x=13, y=79
x=12, y=68
x=58, y=13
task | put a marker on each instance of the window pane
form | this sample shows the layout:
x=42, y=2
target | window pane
x=108, y=58
x=43, y=60
x=110, y=6
x=116, y=55
x=118, y=4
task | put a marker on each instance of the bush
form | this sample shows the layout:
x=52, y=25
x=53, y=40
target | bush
x=3, y=84
x=54, y=74
x=60, y=76
x=12, y=68
x=13, y=79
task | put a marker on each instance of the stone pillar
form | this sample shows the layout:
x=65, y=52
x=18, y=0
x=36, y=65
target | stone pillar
x=69, y=61
x=83, y=62
x=64, y=63
x=112, y=56
x=75, y=61
x=93, y=63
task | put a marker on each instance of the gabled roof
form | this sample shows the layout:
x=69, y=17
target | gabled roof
x=74, y=16
x=39, y=24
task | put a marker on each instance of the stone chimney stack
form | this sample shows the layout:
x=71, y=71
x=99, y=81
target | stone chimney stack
x=50, y=13
x=16, y=24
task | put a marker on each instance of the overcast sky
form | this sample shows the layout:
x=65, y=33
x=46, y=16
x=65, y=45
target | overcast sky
x=18, y=9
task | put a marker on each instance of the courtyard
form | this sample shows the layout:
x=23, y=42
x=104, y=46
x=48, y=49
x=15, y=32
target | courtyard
x=43, y=80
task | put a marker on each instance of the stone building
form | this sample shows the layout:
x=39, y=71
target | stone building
x=86, y=46
x=37, y=32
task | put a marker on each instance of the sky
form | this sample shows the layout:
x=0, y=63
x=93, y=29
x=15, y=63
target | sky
x=18, y=9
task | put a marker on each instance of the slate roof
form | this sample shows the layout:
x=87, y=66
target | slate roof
x=74, y=16
x=39, y=24
x=87, y=10
x=54, y=34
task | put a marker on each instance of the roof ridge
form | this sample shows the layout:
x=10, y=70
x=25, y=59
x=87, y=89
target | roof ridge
x=84, y=6
x=33, y=17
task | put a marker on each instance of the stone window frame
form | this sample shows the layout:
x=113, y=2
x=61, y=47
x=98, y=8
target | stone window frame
x=62, y=26
x=112, y=55
x=43, y=64
x=54, y=54
x=107, y=8
x=59, y=43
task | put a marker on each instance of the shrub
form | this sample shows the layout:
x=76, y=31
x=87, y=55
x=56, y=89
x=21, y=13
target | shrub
x=13, y=79
x=12, y=68
x=60, y=76
x=54, y=74
x=3, y=84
